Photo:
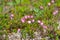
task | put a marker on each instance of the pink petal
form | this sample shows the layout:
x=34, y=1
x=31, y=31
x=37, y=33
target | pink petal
x=41, y=7
x=18, y=30
x=28, y=16
x=45, y=27
x=12, y=15
x=31, y=16
x=55, y=12
x=39, y=21
x=33, y=20
x=25, y=17
x=52, y=1
x=22, y=20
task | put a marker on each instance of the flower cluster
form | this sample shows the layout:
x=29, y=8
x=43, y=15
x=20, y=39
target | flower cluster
x=23, y=19
x=52, y=1
x=55, y=12
x=42, y=24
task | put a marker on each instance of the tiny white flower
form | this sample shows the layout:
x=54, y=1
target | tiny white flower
x=29, y=22
x=39, y=21
x=49, y=4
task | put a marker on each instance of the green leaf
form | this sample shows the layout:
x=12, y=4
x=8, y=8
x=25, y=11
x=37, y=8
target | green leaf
x=57, y=38
x=51, y=35
x=39, y=14
x=1, y=16
x=23, y=8
x=36, y=10
x=1, y=27
x=14, y=30
x=45, y=2
x=57, y=2
x=17, y=1
x=23, y=33
x=25, y=1
x=11, y=3
x=1, y=9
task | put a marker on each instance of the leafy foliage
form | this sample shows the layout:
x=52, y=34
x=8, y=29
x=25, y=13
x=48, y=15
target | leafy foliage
x=20, y=8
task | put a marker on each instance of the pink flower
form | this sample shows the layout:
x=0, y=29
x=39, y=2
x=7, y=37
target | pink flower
x=26, y=17
x=55, y=12
x=45, y=27
x=49, y=4
x=32, y=20
x=31, y=16
x=29, y=22
x=22, y=20
x=39, y=21
x=52, y=1
x=41, y=7
x=18, y=30
x=12, y=15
